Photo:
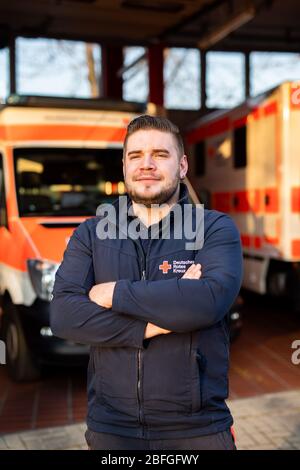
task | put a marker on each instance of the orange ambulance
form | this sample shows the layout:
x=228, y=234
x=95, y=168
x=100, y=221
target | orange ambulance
x=59, y=159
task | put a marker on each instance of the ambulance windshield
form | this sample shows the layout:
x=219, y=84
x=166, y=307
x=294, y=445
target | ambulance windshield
x=67, y=181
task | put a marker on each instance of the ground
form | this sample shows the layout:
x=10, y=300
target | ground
x=264, y=391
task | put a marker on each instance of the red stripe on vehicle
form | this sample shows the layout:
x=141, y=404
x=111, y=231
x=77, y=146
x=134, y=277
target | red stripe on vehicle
x=239, y=122
x=271, y=204
x=295, y=199
x=246, y=240
x=271, y=240
x=296, y=248
x=208, y=130
x=221, y=201
x=270, y=108
x=257, y=242
x=241, y=201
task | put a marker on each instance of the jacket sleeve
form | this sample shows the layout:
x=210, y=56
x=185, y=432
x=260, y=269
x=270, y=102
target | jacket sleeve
x=74, y=316
x=183, y=305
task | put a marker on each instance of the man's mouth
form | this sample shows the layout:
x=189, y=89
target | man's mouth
x=147, y=178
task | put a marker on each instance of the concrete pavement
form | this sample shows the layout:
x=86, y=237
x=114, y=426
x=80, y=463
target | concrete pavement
x=265, y=422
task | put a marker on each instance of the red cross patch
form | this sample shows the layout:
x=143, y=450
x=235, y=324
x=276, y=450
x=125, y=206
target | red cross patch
x=165, y=266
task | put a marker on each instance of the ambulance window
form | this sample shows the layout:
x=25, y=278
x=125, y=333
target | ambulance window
x=200, y=158
x=67, y=181
x=240, y=147
x=3, y=213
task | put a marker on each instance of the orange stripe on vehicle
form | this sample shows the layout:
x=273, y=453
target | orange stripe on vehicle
x=295, y=199
x=63, y=132
x=296, y=248
x=2, y=133
x=271, y=240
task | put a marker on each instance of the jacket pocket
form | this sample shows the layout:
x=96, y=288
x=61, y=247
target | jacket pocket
x=115, y=371
x=198, y=362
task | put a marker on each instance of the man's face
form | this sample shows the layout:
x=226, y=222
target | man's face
x=152, y=167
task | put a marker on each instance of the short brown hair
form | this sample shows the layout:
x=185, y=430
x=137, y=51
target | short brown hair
x=146, y=122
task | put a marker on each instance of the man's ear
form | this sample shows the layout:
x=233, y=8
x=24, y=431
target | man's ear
x=183, y=167
x=123, y=165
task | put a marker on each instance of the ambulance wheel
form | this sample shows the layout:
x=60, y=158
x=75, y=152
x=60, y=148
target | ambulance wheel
x=20, y=365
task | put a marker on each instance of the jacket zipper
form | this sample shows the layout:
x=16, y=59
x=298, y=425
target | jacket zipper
x=139, y=360
x=139, y=354
x=139, y=390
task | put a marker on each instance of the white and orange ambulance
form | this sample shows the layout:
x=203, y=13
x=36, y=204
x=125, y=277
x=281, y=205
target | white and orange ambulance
x=59, y=159
x=246, y=162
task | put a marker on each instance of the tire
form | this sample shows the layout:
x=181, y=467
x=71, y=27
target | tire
x=21, y=366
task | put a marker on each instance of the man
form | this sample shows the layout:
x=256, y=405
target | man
x=153, y=311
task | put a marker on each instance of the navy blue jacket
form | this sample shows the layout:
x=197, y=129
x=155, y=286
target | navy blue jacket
x=172, y=385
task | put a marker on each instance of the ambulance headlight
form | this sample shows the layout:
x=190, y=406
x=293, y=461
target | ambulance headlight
x=42, y=276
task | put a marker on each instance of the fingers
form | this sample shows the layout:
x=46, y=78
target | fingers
x=193, y=272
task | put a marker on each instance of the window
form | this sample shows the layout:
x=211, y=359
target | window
x=182, y=78
x=240, y=147
x=200, y=158
x=56, y=68
x=268, y=69
x=67, y=181
x=4, y=74
x=135, y=84
x=225, y=79
x=3, y=212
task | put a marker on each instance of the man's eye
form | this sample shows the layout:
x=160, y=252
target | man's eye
x=162, y=155
x=132, y=157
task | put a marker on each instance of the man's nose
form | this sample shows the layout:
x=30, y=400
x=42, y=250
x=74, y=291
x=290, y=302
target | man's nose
x=147, y=162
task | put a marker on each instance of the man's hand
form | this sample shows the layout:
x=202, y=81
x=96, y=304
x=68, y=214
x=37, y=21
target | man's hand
x=194, y=272
x=102, y=294
x=153, y=330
